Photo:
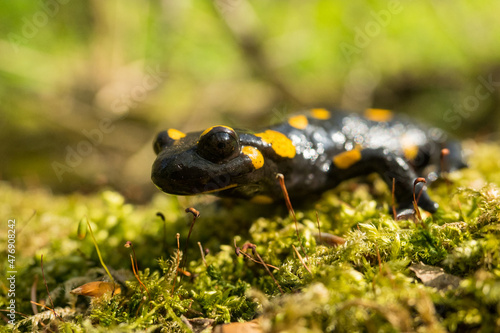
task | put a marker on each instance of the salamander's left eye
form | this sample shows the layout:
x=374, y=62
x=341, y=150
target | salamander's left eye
x=218, y=144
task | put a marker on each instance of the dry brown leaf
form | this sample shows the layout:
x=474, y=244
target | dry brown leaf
x=435, y=277
x=97, y=289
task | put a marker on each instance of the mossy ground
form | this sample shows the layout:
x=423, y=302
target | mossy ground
x=375, y=282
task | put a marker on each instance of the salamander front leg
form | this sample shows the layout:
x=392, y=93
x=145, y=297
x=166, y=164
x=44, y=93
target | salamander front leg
x=389, y=166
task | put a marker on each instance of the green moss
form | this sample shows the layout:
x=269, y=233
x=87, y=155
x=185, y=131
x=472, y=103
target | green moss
x=345, y=288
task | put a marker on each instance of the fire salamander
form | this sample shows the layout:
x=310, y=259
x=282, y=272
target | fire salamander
x=314, y=151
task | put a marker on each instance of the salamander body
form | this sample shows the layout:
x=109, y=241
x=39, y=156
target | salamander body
x=315, y=151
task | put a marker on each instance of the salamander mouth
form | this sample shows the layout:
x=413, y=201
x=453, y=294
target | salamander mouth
x=189, y=174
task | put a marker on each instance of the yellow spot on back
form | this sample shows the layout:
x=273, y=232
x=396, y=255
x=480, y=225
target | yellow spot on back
x=175, y=134
x=409, y=144
x=255, y=156
x=410, y=152
x=262, y=199
x=378, y=115
x=346, y=159
x=281, y=145
x=221, y=189
x=320, y=114
x=210, y=128
x=299, y=122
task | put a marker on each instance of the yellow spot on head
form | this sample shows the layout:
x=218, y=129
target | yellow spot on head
x=255, y=156
x=281, y=145
x=299, y=122
x=346, y=159
x=220, y=189
x=320, y=114
x=378, y=115
x=262, y=199
x=175, y=134
x=210, y=128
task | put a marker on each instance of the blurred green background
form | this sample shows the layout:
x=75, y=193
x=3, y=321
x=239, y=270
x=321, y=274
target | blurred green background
x=86, y=85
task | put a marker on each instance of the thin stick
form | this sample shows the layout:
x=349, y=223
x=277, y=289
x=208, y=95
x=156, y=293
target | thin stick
x=444, y=169
x=177, y=262
x=162, y=217
x=127, y=245
x=415, y=201
x=16, y=312
x=196, y=214
x=238, y=252
x=269, y=271
x=281, y=179
x=202, y=254
x=135, y=267
x=301, y=260
x=138, y=279
x=421, y=190
x=319, y=229
x=46, y=307
x=254, y=251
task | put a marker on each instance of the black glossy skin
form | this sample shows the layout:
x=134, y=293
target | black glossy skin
x=180, y=169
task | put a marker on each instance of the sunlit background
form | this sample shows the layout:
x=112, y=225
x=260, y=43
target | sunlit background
x=85, y=86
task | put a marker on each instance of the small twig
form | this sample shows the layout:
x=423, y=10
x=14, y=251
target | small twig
x=136, y=274
x=255, y=253
x=17, y=312
x=177, y=262
x=281, y=179
x=162, y=217
x=202, y=254
x=301, y=260
x=196, y=214
x=419, y=180
x=444, y=167
x=135, y=268
x=460, y=210
x=319, y=229
x=48, y=292
x=415, y=201
x=129, y=244
x=238, y=251
x=269, y=271
x=46, y=307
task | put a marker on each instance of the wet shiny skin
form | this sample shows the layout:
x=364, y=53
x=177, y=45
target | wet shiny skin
x=315, y=151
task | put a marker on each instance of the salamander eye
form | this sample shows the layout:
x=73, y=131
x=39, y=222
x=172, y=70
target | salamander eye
x=218, y=144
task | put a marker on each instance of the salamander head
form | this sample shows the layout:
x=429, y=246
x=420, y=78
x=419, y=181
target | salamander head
x=206, y=162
